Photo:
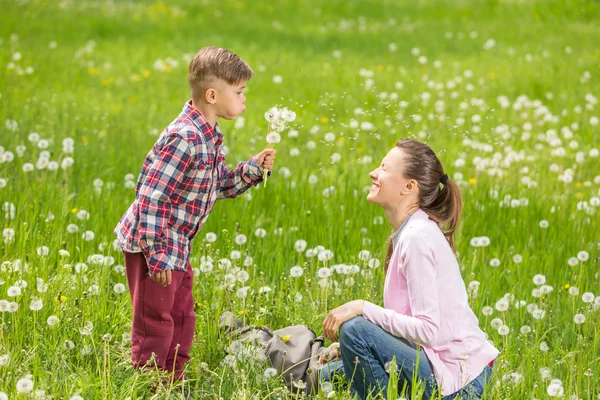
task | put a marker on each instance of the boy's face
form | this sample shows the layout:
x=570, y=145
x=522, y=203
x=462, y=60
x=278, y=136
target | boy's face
x=230, y=99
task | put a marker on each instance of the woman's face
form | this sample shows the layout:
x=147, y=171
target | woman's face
x=390, y=187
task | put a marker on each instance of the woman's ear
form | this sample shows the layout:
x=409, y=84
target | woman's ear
x=412, y=186
x=211, y=96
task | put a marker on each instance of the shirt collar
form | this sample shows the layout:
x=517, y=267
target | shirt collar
x=212, y=135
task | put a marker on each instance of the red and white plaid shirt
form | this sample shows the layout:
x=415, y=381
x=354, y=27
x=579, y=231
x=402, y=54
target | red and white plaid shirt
x=181, y=179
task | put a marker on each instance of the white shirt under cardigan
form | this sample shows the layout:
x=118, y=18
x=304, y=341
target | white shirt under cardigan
x=425, y=302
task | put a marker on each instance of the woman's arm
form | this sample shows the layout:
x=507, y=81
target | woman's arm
x=417, y=264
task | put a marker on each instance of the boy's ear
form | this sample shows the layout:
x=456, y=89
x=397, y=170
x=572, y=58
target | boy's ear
x=210, y=96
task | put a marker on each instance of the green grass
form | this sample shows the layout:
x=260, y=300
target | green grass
x=110, y=99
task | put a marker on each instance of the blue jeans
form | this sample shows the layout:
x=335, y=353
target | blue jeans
x=373, y=347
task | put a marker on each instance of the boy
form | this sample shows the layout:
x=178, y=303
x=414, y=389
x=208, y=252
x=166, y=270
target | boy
x=181, y=178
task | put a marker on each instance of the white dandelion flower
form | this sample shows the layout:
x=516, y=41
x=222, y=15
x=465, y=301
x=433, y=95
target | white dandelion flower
x=555, y=390
x=242, y=293
x=374, y=263
x=544, y=346
x=88, y=236
x=502, y=305
x=525, y=329
x=539, y=279
x=573, y=261
x=517, y=258
x=325, y=255
x=43, y=251
x=211, y=237
x=487, y=311
x=264, y=289
x=495, y=262
x=24, y=385
x=583, y=256
x=4, y=358
x=300, y=245
x=324, y=273
x=503, y=330
x=574, y=291
x=273, y=138
x=364, y=255
x=296, y=271
x=588, y=297
x=242, y=276
x=36, y=304
x=496, y=323
x=241, y=239
x=119, y=288
x=544, y=224
x=270, y=372
x=579, y=318
x=545, y=373
x=14, y=291
x=52, y=320
x=260, y=233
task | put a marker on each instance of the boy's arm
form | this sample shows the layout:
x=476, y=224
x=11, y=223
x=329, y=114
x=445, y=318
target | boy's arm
x=154, y=198
x=243, y=177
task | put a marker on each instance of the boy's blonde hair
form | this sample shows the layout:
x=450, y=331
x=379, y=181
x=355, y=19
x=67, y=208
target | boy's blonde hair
x=214, y=62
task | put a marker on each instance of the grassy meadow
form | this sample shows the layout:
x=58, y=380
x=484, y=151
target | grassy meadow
x=506, y=92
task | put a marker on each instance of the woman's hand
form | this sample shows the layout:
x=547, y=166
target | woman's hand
x=336, y=317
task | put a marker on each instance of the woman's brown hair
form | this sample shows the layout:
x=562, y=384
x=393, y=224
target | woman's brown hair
x=442, y=204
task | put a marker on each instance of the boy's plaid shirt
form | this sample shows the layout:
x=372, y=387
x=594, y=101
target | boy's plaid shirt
x=182, y=177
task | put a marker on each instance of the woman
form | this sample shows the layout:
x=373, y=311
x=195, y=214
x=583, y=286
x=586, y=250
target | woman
x=426, y=321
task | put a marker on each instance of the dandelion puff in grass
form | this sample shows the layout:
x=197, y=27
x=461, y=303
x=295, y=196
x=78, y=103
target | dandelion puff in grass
x=574, y=291
x=4, y=358
x=544, y=224
x=300, y=245
x=14, y=291
x=52, y=320
x=539, y=279
x=323, y=273
x=525, y=329
x=36, y=304
x=517, y=258
x=270, y=372
x=260, y=233
x=494, y=262
x=583, y=256
x=119, y=288
x=325, y=255
x=241, y=239
x=544, y=346
x=76, y=397
x=87, y=329
x=242, y=276
x=364, y=255
x=211, y=237
x=538, y=314
x=555, y=390
x=3, y=396
x=503, y=330
x=24, y=385
x=487, y=311
x=296, y=271
x=299, y=384
x=502, y=305
x=588, y=297
x=374, y=263
x=496, y=323
x=43, y=251
x=579, y=319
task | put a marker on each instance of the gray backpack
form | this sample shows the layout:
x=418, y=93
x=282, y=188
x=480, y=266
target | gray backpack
x=293, y=351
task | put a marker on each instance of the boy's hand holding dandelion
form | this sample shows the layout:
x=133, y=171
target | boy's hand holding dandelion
x=265, y=159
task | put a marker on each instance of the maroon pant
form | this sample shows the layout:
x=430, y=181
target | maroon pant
x=163, y=317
